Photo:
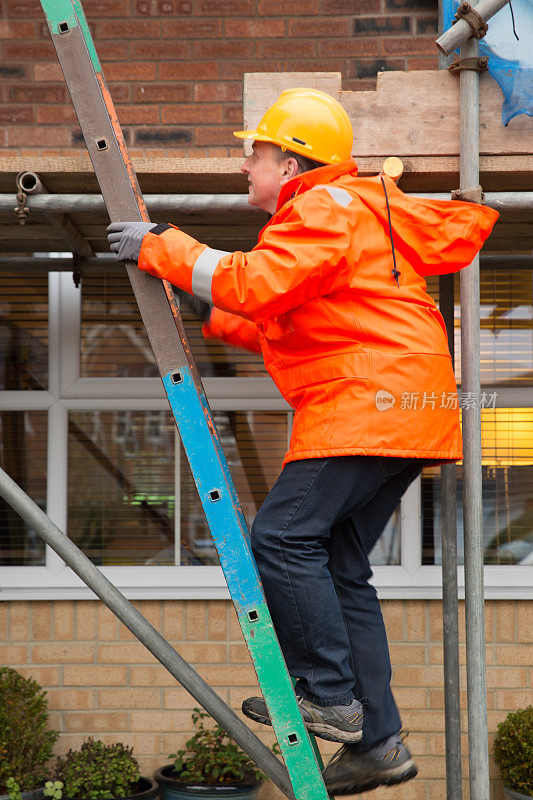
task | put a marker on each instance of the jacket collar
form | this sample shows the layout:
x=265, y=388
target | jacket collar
x=315, y=177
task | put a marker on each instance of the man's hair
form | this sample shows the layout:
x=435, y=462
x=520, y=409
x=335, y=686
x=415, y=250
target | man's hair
x=305, y=164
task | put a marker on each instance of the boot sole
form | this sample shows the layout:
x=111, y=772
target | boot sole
x=389, y=778
x=323, y=731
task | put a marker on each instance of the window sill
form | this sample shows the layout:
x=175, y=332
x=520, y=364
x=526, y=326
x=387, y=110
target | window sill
x=207, y=583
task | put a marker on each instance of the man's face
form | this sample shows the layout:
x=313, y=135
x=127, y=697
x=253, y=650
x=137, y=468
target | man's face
x=266, y=175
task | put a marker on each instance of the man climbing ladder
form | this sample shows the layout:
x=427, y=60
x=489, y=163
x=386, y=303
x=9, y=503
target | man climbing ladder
x=334, y=297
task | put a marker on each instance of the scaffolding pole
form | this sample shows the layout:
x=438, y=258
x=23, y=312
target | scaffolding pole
x=472, y=475
x=199, y=204
x=450, y=599
x=145, y=633
x=107, y=263
x=193, y=204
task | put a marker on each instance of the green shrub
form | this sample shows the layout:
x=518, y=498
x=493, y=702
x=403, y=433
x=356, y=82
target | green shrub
x=97, y=771
x=513, y=750
x=53, y=789
x=211, y=758
x=13, y=789
x=26, y=741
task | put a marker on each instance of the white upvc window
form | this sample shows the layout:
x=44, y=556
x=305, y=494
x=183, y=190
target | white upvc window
x=92, y=440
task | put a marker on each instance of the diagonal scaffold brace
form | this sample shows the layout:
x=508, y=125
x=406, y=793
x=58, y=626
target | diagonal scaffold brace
x=144, y=631
x=118, y=183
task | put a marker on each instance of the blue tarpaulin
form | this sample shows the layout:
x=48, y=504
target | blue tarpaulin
x=510, y=59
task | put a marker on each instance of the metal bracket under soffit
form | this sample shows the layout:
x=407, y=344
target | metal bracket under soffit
x=474, y=194
x=477, y=23
x=21, y=209
x=29, y=183
x=476, y=64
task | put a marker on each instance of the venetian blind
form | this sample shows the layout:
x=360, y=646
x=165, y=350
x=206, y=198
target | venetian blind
x=23, y=457
x=506, y=344
x=114, y=343
x=23, y=332
x=132, y=499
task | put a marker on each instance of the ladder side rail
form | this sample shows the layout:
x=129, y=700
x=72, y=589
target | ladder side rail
x=107, y=149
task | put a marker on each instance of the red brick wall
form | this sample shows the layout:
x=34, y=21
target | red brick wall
x=175, y=67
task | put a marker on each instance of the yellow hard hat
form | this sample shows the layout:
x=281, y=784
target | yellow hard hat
x=308, y=122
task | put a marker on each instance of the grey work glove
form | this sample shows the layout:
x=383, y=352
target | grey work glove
x=125, y=238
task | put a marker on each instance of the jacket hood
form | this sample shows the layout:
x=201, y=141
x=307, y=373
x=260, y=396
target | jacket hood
x=436, y=237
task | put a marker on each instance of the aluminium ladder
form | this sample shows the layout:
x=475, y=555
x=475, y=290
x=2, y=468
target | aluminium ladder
x=160, y=313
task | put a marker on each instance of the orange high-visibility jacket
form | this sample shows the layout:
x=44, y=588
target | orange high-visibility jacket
x=362, y=357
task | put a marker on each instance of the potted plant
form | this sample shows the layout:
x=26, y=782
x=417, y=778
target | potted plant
x=102, y=772
x=210, y=766
x=26, y=741
x=513, y=753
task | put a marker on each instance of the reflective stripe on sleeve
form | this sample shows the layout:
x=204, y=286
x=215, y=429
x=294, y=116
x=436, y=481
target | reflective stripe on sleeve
x=202, y=272
x=341, y=196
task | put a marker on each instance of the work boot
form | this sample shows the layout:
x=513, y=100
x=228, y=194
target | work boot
x=334, y=723
x=350, y=772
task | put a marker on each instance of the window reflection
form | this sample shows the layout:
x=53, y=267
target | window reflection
x=507, y=470
x=127, y=487
x=506, y=321
x=23, y=332
x=387, y=548
x=23, y=456
x=114, y=343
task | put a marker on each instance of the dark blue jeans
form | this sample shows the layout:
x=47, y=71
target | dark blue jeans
x=311, y=539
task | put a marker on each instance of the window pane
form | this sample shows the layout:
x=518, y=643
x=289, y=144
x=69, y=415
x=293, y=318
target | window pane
x=506, y=312
x=114, y=342
x=387, y=548
x=122, y=467
x=23, y=332
x=23, y=456
x=507, y=467
x=121, y=484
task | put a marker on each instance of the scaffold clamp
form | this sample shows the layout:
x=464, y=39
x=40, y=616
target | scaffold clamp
x=21, y=209
x=474, y=194
x=477, y=24
x=477, y=64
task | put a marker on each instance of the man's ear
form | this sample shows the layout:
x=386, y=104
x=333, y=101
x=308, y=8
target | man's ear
x=291, y=169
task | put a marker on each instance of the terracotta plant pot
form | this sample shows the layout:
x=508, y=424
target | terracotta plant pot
x=171, y=788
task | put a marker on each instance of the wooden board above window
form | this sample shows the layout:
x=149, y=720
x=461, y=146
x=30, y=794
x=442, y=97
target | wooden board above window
x=414, y=115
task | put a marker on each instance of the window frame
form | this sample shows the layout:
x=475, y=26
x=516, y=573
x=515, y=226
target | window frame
x=68, y=392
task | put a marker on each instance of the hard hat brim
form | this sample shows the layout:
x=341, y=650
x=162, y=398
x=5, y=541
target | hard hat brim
x=255, y=135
